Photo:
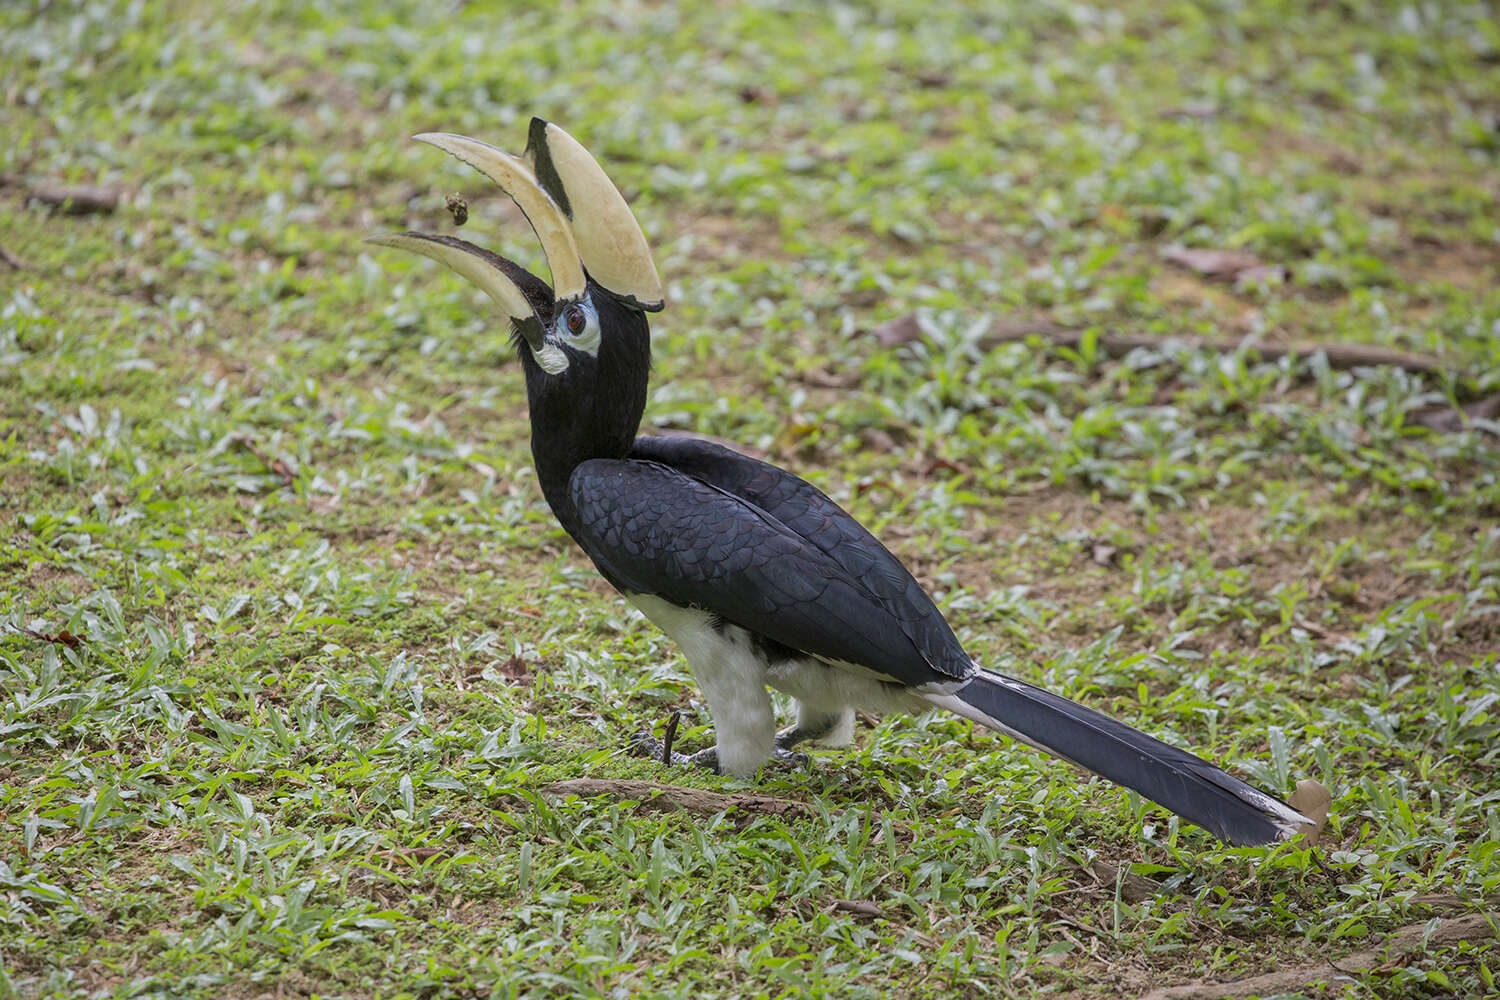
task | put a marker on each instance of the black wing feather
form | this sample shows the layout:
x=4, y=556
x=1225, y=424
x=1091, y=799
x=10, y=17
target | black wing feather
x=654, y=530
x=809, y=513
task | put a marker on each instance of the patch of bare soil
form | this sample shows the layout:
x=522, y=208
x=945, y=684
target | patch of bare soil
x=1472, y=267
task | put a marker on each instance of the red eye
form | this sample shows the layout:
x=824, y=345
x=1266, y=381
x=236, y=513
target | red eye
x=576, y=320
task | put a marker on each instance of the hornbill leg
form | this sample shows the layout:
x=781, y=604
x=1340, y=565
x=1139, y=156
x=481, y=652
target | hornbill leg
x=835, y=728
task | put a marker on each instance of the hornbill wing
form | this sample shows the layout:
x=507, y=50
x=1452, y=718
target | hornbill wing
x=807, y=512
x=1188, y=785
x=654, y=530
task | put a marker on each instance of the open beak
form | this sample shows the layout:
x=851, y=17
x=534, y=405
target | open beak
x=492, y=273
x=582, y=221
x=610, y=240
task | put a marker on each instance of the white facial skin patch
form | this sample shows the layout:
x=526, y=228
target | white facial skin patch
x=551, y=359
x=576, y=327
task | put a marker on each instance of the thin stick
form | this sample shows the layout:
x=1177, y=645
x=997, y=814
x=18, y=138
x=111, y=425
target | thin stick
x=666, y=743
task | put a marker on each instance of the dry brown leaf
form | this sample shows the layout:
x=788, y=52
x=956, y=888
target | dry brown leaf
x=1133, y=888
x=1312, y=800
x=1221, y=265
x=901, y=330
x=514, y=669
x=62, y=638
x=859, y=907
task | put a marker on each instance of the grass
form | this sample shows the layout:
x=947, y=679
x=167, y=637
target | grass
x=330, y=647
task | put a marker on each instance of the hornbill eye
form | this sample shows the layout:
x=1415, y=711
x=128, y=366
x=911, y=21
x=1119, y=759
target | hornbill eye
x=576, y=320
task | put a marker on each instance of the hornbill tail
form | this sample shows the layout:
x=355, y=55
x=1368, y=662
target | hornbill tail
x=1196, y=790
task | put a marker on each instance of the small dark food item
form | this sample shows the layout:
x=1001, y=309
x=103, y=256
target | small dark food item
x=458, y=208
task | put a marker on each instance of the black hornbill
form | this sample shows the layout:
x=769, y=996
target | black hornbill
x=757, y=575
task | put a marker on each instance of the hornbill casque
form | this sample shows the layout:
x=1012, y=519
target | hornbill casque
x=760, y=578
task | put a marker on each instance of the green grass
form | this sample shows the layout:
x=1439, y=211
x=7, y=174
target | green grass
x=334, y=646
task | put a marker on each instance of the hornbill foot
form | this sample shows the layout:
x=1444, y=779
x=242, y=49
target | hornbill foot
x=791, y=759
x=793, y=735
x=643, y=744
x=782, y=752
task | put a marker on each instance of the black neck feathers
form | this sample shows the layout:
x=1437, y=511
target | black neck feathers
x=593, y=408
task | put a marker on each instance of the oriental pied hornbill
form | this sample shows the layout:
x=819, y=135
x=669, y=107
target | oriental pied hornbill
x=757, y=575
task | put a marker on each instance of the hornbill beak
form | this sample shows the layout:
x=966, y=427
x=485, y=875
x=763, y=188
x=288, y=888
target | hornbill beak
x=492, y=273
x=585, y=227
x=610, y=241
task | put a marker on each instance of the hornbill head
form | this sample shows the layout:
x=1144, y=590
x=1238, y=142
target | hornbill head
x=603, y=278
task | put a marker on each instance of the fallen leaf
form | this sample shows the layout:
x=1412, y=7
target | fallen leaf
x=1312, y=799
x=822, y=378
x=1133, y=888
x=514, y=669
x=1220, y=265
x=753, y=94
x=876, y=439
x=946, y=465
x=1264, y=272
x=901, y=330
x=1447, y=420
x=1201, y=112
x=62, y=638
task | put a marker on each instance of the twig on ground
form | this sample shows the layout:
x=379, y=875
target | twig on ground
x=1475, y=927
x=15, y=262
x=670, y=737
x=77, y=199
x=695, y=800
x=859, y=907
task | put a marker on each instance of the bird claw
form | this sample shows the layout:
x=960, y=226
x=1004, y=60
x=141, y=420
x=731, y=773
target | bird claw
x=643, y=744
x=791, y=759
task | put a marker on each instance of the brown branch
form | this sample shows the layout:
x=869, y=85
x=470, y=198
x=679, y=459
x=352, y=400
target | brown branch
x=695, y=800
x=1474, y=927
x=11, y=259
x=77, y=199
